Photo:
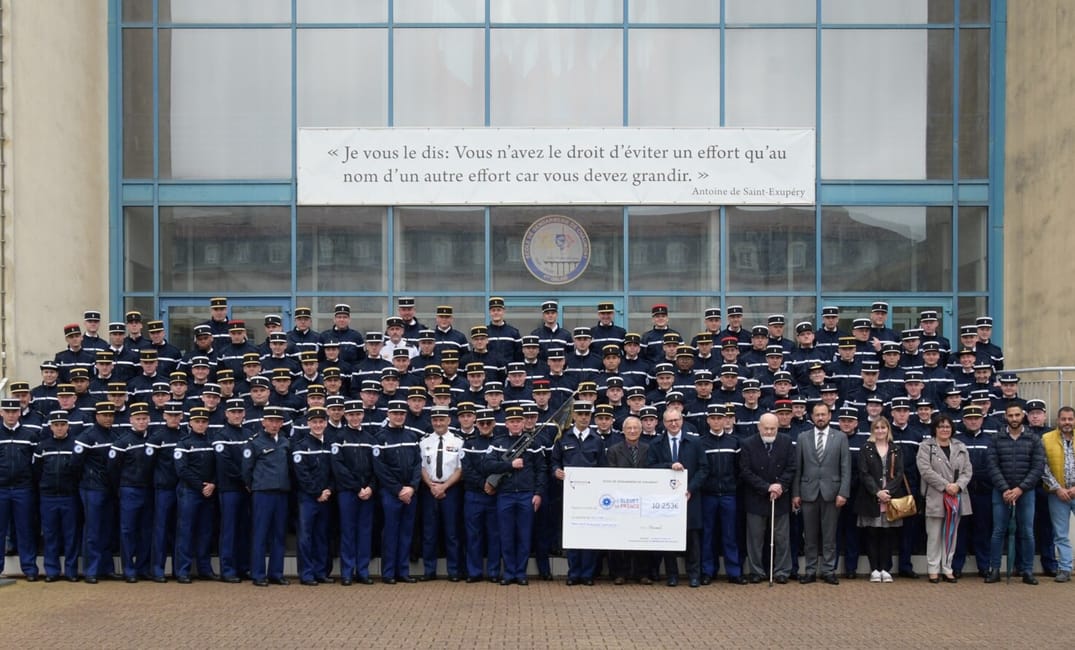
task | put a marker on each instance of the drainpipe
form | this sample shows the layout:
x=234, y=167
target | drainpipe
x=3, y=202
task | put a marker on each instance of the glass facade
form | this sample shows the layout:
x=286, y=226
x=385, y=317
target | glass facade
x=208, y=97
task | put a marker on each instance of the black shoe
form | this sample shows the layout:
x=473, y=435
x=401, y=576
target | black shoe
x=1049, y=572
x=755, y=578
x=364, y=580
x=992, y=577
x=345, y=582
x=695, y=583
x=408, y=579
x=706, y=580
x=934, y=581
x=326, y=581
x=388, y=581
x=232, y=580
x=850, y=575
x=547, y=577
x=805, y=580
x=261, y=583
x=831, y=579
x=950, y=579
x=494, y=579
x=571, y=582
x=588, y=582
x=51, y=578
x=910, y=575
x=71, y=578
x=183, y=580
x=32, y=578
x=673, y=581
x=1029, y=579
x=453, y=578
x=506, y=581
x=131, y=580
x=91, y=580
x=781, y=580
x=309, y=583
x=429, y=577
x=957, y=574
x=160, y=579
x=522, y=582
x=472, y=579
x=283, y=582
x=208, y=576
x=735, y=580
x=983, y=573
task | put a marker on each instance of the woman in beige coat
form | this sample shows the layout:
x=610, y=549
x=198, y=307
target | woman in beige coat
x=944, y=464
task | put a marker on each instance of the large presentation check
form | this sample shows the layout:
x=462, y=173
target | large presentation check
x=617, y=508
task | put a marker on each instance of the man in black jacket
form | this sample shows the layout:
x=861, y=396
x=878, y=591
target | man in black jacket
x=630, y=452
x=767, y=468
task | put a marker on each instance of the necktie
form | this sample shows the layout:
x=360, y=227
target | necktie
x=634, y=455
x=675, y=449
x=440, y=458
x=768, y=447
x=820, y=444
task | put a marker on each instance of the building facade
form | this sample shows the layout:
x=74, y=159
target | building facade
x=151, y=158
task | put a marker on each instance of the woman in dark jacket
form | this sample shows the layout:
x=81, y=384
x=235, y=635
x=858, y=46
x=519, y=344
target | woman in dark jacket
x=880, y=480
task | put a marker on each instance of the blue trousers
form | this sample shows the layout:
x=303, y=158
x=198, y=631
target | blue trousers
x=356, y=540
x=976, y=529
x=1043, y=530
x=546, y=526
x=97, y=508
x=194, y=533
x=269, y=511
x=234, y=544
x=59, y=527
x=795, y=540
x=164, y=506
x=438, y=515
x=17, y=507
x=396, y=535
x=483, y=534
x=848, y=537
x=719, y=516
x=135, y=530
x=1060, y=513
x=314, y=559
x=515, y=511
x=1024, y=531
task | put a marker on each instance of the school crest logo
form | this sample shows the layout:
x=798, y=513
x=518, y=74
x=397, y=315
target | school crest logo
x=556, y=249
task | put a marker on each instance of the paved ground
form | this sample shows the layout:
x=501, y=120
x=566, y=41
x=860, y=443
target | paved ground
x=855, y=614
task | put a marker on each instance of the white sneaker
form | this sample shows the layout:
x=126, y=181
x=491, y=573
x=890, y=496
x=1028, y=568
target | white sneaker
x=886, y=576
x=875, y=576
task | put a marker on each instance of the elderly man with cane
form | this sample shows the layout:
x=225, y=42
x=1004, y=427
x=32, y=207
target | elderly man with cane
x=767, y=468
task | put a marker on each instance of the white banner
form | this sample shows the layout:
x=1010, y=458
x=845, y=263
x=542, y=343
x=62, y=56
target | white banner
x=491, y=166
x=615, y=508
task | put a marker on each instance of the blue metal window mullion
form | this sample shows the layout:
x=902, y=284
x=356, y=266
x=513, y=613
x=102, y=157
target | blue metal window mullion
x=995, y=238
x=818, y=266
x=626, y=289
x=722, y=239
x=626, y=99
x=486, y=66
x=624, y=71
x=391, y=61
x=722, y=53
x=390, y=258
x=115, y=158
x=948, y=330
x=487, y=271
x=294, y=210
x=156, y=164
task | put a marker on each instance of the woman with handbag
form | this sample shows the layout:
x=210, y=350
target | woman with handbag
x=881, y=480
x=945, y=466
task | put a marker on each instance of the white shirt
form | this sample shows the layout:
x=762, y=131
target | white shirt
x=452, y=454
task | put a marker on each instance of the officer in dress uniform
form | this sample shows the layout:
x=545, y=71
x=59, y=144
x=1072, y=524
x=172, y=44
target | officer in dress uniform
x=719, y=511
x=132, y=470
x=43, y=396
x=518, y=493
x=654, y=339
x=579, y=446
x=605, y=331
x=479, y=505
x=265, y=473
x=74, y=355
x=352, y=470
x=161, y=449
x=405, y=307
x=168, y=355
x=17, y=486
x=229, y=442
x=352, y=347
x=397, y=463
x=445, y=334
x=302, y=337
x=549, y=334
x=195, y=467
x=56, y=475
x=985, y=346
x=233, y=349
x=218, y=321
x=91, y=339
x=95, y=487
x=312, y=465
x=441, y=493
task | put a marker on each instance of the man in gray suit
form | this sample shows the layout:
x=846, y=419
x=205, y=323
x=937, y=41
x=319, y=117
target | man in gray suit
x=821, y=487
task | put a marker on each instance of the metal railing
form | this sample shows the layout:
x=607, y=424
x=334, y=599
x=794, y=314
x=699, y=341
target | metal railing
x=1055, y=385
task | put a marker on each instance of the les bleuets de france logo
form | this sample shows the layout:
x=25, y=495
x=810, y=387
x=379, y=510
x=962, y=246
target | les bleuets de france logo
x=556, y=249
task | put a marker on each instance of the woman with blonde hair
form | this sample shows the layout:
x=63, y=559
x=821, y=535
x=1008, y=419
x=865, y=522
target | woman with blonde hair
x=945, y=466
x=880, y=480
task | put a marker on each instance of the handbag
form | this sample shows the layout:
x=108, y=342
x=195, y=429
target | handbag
x=900, y=507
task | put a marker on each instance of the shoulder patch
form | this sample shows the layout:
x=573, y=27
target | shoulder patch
x=177, y=454
x=111, y=453
x=79, y=449
x=296, y=458
x=335, y=449
x=149, y=451
x=247, y=453
x=219, y=447
x=376, y=451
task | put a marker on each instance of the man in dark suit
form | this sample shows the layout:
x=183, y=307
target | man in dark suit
x=630, y=452
x=821, y=487
x=767, y=469
x=677, y=451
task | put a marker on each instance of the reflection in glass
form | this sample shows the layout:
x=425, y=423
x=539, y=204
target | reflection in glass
x=225, y=103
x=439, y=11
x=224, y=11
x=674, y=247
x=556, y=11
x=770, y=11
x=771, y=249
x=340, y=249
x=439, y=77
x=341, y=11
x=556, y=77
x=342, y=77
x=440, y=249
x=974, y=103
x=683, y=64
x=877, y=249
x=674, y=11
x=189, y=235
x=138, y=249
x=973, y=248
x=137, y=103
x=906, y=12
x=770, y=77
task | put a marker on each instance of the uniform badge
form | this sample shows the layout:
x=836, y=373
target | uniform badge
x=335, y=449
x=79, y=449
x=296, y=458
x=111, y=453
x=177, y=454
x=149, y=451
x=247, y=453
x=219, y=447
x=376, y=451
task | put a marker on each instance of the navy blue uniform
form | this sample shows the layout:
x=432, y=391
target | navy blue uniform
x=17, y=493
x=195, y=465
x=479, y=512
x=56, y=473
x=98, y=501
x=719, y=511
x=398, y=465
x=312, y=464
x=573, y=450
x=132, y=470
x=514, y=500
x=352, y=469
x=161, y=449
x=234, y=500
x=266, y=475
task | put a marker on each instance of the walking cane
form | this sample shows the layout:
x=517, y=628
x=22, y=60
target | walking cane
x=772, y=536
x=1011, y=543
